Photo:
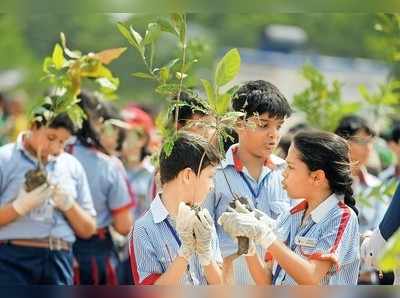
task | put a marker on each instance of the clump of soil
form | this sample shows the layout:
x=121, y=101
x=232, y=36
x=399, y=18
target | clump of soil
x=243, y=242
x=34, y=179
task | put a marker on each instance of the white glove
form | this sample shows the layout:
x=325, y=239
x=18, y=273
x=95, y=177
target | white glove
x=264, y=219
x=203, y=229
x=26, y=201
x=239, y=207
x=61, y=199
x=246, y=225
x=371, y=247
x=184, y=227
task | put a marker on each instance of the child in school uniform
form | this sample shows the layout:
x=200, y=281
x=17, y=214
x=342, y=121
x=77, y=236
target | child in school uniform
x=171, y=244
x=38, y=227
x=319, y=238
x=250, y=168
x=374, y=243
x=97, y=259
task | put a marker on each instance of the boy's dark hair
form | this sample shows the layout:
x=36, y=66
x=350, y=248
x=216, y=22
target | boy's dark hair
x=330, y=153
x=394, y=135
x=259, y=97
x=190, y=106
x=188, y=152
x=350, y=125
x=62, y=120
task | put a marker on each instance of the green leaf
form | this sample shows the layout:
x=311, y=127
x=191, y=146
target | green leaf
x=68, y=52
x=166, y=26
x=227, y=68
x=172, y=63
x=164, y=74
x=168, y=89
x=180, y=76
x=222, y=103
x=390, y=259
x=136, y=36
x=208, y=89
x=143, y=75
x=108, y=85
x=58, y=57
x=179, y=21
x=152, y=33
x=125, y=32
x=47, y=63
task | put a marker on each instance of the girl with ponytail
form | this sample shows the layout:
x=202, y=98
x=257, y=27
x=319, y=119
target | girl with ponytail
x=317, y=242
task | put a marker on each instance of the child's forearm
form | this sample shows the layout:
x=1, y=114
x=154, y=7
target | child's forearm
x=228, y=269
x=258, y=270
x=213, y=274
x=174, y=273
x=304, y=272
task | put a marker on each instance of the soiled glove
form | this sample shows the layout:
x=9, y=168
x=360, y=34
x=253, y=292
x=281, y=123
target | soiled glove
x=203, y=229
x=26, y=201
x=371, y=247
x=61, y=199
x=184, y=228
x=246, y=225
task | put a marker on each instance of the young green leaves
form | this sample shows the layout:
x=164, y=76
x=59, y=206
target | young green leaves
x=65, y=71
x=227, y=69
x=322, y=105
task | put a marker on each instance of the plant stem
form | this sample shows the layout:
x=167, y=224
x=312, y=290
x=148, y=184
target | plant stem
x=182, y=76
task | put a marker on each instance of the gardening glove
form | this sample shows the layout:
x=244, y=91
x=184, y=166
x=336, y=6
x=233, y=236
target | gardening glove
x=184, y=228
x=61, y=199
x=371, y=247
x=241, y=208
x=203, y=230
x=26, y=201
x=246, y=225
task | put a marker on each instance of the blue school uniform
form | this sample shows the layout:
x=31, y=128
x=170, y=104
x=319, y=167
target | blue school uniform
x=44, y=266
x=266, y=194
x=330, y=233
x=97, y=257
x=154, y=245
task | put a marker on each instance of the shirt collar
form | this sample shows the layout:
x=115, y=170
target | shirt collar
x=367, y=179
x=158, y=210
x=20, y=146
x=322, y=209
x=232, y=159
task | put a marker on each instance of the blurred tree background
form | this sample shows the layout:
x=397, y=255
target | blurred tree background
x=26, y=40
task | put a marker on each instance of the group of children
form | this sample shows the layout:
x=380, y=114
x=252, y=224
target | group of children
x=248, y=217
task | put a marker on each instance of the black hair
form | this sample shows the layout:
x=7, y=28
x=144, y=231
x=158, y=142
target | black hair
x=189, y=106
x=330, y=153
x=259, y=97
x=350, y=125
x=110, y=111
x=91, y=106
x=394, y=134
x=189, y=150
x=62, y=120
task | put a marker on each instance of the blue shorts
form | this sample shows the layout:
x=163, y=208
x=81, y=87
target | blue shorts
x=20, y=265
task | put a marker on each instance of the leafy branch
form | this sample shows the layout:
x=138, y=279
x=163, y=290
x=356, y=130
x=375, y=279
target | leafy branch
x=322, y=105
x=65, y=71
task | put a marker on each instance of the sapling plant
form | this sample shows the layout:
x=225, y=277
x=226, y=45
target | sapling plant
x=66, y=71
x=170, y=81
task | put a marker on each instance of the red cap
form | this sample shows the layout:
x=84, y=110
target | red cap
x=137, y=117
